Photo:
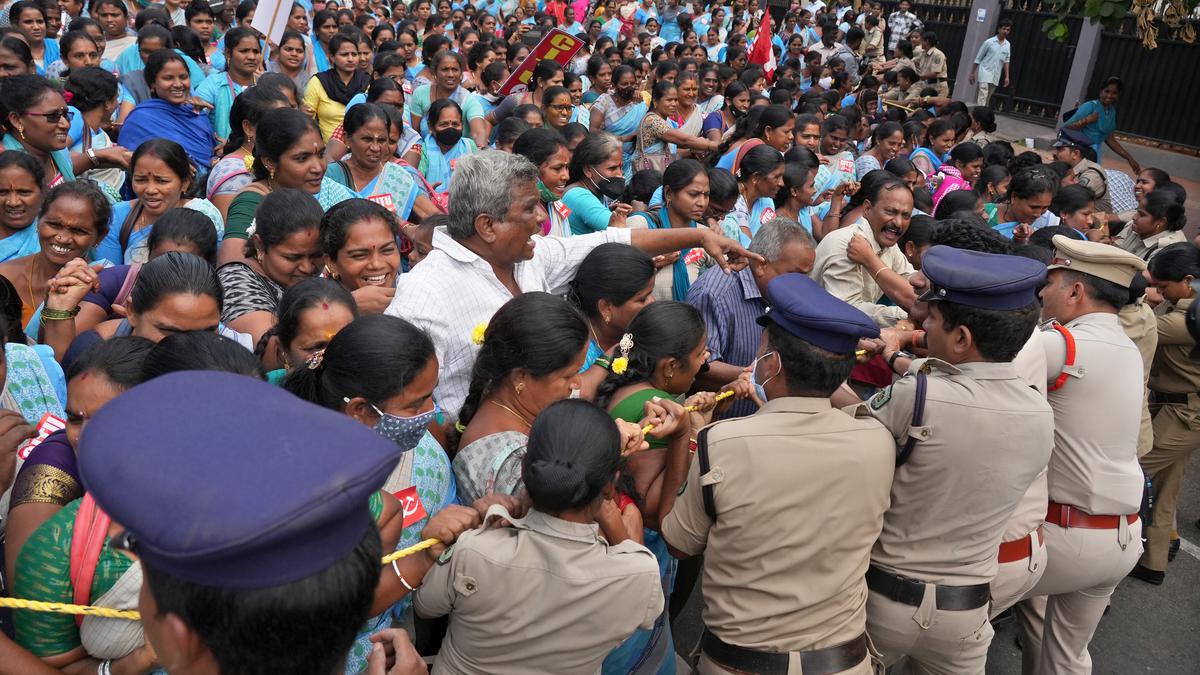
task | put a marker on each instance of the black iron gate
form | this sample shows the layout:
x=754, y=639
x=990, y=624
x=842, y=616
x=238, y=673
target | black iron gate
x=1040, y=66
x=1159, y=96
x=947, y=18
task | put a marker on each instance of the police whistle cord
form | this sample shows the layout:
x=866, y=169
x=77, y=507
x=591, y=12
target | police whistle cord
x=133, y=615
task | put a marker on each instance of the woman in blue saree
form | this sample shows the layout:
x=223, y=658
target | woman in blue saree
x=168, y=113
x=367, y=171
x=1098, y=120
x=29, y=18
x=38, y=122
x=21, y=192
x=324, y=27
x=444, y=145
x=620, y=113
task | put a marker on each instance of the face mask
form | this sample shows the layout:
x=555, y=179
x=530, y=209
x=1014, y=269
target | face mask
x=546, y=193
x=574, y=394
x=449, y=136
x=611, y=188
x=405, y=432
x=759, y=387
x=825, y=82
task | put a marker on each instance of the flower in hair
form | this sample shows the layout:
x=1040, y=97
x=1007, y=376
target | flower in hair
x=249, y=162
x=478, y=332
x=68, y=95
x=621, y=363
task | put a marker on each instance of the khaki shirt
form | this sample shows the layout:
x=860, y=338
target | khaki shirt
x=1138, y=322
x=1149, y=247
x=851, y=282
x=545, y=595
x=932, y=61
x=1097, y=413
x=1172, y=371
x=1091, y=175
x=1030, y=363
x=800, y=489
x=985, y=437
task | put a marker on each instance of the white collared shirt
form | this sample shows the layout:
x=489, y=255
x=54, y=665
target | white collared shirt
x=453, y=290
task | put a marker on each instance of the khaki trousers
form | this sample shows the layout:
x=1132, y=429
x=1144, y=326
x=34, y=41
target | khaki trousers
x=1083, y=568
x=936, y=641
x=1176, y=434
x=706, y=666
x=1015, y=579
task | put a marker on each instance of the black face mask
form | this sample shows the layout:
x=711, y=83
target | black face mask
x=449, y=136
x=612, y=188
x=627, y=94
x=737, y=113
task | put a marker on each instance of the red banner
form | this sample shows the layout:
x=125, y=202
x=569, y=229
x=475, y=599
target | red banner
x=558, y=45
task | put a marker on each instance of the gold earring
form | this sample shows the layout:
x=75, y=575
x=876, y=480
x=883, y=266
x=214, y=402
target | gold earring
x=21, y=132
x=607, y=319
x=520, y=387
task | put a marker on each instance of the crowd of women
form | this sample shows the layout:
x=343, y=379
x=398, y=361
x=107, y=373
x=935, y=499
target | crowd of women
x=178, y=192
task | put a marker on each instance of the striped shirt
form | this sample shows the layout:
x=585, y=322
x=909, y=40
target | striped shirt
x=730, y=305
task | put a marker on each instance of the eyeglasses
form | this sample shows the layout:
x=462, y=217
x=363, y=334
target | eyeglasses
x=561, y=108
x=54, y=116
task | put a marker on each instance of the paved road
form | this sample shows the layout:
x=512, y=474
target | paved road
x=1150, y=629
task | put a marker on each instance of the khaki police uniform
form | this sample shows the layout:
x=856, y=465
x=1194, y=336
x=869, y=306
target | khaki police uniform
x=785, y=558
x=934, y=61
x=1022, y=554
x=545, y=595
x=1091, y=175
x=985, y=436
x=1175, y=394
x=1141, y=325
x=1093, y=533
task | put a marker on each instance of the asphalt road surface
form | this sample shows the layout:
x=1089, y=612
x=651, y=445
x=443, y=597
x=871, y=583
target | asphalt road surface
x=1149, y=629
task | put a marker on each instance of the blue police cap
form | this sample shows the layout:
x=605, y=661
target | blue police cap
x=804, y=309
x=1068, y=138
x=984, y=280
x=227, y=481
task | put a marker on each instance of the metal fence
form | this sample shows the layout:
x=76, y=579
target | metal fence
x=1161, y=86
x=1040, y=66
x=947, y=18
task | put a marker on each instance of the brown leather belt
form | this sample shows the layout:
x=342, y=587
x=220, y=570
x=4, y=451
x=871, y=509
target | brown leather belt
x=1020, y=549
x=824, y=661
x=912, y=591
x=1065, y=515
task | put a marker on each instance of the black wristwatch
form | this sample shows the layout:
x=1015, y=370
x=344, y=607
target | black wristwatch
x=895, y=355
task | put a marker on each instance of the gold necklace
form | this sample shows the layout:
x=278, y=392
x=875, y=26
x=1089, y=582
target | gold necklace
x=514, y=413
x=32, y=268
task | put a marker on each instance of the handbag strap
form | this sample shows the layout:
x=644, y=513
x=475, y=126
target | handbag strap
x=87, y=540
x=127, y=285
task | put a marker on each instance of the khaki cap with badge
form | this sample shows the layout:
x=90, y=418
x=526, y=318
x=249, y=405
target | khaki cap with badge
x=1099, y=260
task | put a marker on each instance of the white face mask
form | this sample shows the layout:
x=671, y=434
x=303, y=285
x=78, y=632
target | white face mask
x=825, y=82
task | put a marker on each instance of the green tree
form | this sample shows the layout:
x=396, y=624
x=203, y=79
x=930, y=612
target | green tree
x=1111, y=13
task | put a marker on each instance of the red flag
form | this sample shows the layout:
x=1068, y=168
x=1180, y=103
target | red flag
x=762, y=53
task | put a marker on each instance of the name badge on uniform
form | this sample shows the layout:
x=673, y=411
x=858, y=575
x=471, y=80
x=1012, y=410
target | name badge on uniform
x=384, y=200
x=846, y=165
x=767, y=214
x=410, y=504
x=47, y=425
x=693, y=256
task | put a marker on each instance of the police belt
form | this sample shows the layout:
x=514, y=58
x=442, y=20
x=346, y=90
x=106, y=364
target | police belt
x=1162, y=397
x=912, y=591
x=824, y=661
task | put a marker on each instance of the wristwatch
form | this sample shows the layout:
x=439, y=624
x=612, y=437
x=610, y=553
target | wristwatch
x=91, y=155
x=895, y=355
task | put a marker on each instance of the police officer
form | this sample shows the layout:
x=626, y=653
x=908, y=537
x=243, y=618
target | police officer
x=1093, y=534
x=971, y=437
x=786, y=504
x=256, y=541
x=931, y=65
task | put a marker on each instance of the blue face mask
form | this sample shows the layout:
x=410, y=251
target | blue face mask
x=405, y=432
x=759, y=389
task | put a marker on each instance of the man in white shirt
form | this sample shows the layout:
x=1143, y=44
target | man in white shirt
x=993, y=57
x=884, y=222
x=489, y=253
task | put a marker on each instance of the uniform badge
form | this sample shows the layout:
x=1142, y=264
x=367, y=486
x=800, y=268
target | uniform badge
x=879, y=400
x=446, y=555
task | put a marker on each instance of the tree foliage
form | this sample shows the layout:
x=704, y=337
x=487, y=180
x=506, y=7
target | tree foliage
x=1152, y=16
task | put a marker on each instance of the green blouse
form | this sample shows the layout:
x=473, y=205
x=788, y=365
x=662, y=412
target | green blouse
x=43, y=572
x=632, y=408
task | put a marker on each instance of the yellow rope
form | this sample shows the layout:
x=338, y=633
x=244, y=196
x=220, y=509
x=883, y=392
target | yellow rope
x=64, y=608
x=691, y=408
x=133, y=615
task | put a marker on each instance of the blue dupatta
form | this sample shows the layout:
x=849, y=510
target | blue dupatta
x=438, y=166
x=155, y=118
x=394, y=188
x=20, y=243
x=680, y=281
x=62, y=158
x=627, y=124
x=320, y=58
x=934, y=160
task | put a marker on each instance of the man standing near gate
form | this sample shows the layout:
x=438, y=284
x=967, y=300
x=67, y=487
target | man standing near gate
x=993, y=57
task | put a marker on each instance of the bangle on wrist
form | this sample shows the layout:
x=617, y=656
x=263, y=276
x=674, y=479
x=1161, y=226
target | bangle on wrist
x=875, y=274
x=403, y=581
x=104, y=667
x=58, y=314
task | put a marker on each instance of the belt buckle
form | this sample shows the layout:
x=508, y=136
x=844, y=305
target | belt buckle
x=1065, y=515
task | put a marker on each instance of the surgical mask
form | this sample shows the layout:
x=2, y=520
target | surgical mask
x=759, y=387
x=405, y=432
x=737, y=113
x=825, y=82
x=612, y=188
x=449, y=136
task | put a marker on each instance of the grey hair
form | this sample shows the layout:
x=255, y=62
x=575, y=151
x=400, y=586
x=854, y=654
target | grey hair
x=483, y=183
x=777, y=233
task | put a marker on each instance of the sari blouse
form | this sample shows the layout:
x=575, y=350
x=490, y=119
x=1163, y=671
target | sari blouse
x=49, y=474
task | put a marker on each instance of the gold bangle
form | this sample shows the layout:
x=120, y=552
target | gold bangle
x=58, y=314
x=875, y=274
